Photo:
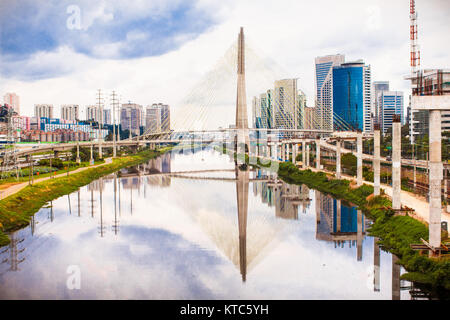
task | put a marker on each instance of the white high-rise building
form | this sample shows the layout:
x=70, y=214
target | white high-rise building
x=12, y=100
x=131, y=117
x=94, y=113
x=390, y=103
x=324, y=88
x=43, y=111
x=368, y=115
x=70, y=112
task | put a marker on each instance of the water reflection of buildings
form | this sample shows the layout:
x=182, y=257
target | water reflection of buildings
x=339, y=223
x=97, y=185
x=131, y=182
x=286, y=199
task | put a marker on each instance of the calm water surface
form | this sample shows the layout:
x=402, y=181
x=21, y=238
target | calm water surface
x=145, y=234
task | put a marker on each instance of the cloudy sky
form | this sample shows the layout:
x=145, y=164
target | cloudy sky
x=60, y=51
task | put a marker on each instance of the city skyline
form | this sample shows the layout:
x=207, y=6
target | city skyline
x=60, y=73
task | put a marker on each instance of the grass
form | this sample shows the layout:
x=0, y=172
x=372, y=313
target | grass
x=16, y=210
x=24, y=176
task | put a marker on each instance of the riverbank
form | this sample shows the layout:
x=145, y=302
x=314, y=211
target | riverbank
x=396, y=233
x=16, y=209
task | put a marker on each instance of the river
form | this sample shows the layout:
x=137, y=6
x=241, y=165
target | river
x=145, y=234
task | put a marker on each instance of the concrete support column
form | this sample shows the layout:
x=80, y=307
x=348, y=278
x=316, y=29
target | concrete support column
x=359, y=162
x=78, y=160
x=318, y=154
x=283, y=152
x=91, y=161
x=294, y=152
x=376, y=161
x=304, y=154
x=376, y=265
x=359, y=236
x=435, y=179
x=445, y=185
x=100, y=150
x=395, y=278
x=396, y=162
x=338, y=159
x=307, y=155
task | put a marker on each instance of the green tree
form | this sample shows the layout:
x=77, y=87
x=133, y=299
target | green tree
x=348, y=163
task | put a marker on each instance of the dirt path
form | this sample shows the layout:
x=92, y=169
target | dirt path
x=19, y=186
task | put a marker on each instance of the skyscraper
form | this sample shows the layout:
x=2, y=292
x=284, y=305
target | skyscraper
x=302, y=119
x=165, y=117
x=94, y=113
x=12, y=100
x=390, y=103
x=324, y=88
x=107, y=116
x=351, y=96
x=285, y=104
x=69, y=112
x=266, y=105
x=262, y=110
x=43, y=111
x=377, y=87
x=153, y=118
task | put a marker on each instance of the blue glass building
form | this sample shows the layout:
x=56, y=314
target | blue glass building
x=348, y=219
x=351, y=96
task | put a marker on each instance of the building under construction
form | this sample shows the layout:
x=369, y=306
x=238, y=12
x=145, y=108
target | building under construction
x=432, y=82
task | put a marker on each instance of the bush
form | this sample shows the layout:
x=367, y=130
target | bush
x=85, y=154
x=349, y=163
x=56, y=162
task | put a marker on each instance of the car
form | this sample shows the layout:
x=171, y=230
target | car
x=388, y=158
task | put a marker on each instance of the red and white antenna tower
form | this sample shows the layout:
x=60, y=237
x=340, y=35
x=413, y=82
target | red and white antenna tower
x=415, y=52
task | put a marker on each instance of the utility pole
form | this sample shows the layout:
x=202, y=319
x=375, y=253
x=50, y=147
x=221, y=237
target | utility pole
x=100, y=116
x=118, y=120
x=114, y=122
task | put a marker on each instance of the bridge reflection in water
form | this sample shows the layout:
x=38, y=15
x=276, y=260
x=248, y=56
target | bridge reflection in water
x=336, y=222
x=246, y=240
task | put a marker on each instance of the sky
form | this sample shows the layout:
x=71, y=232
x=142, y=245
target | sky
x=61, y=52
